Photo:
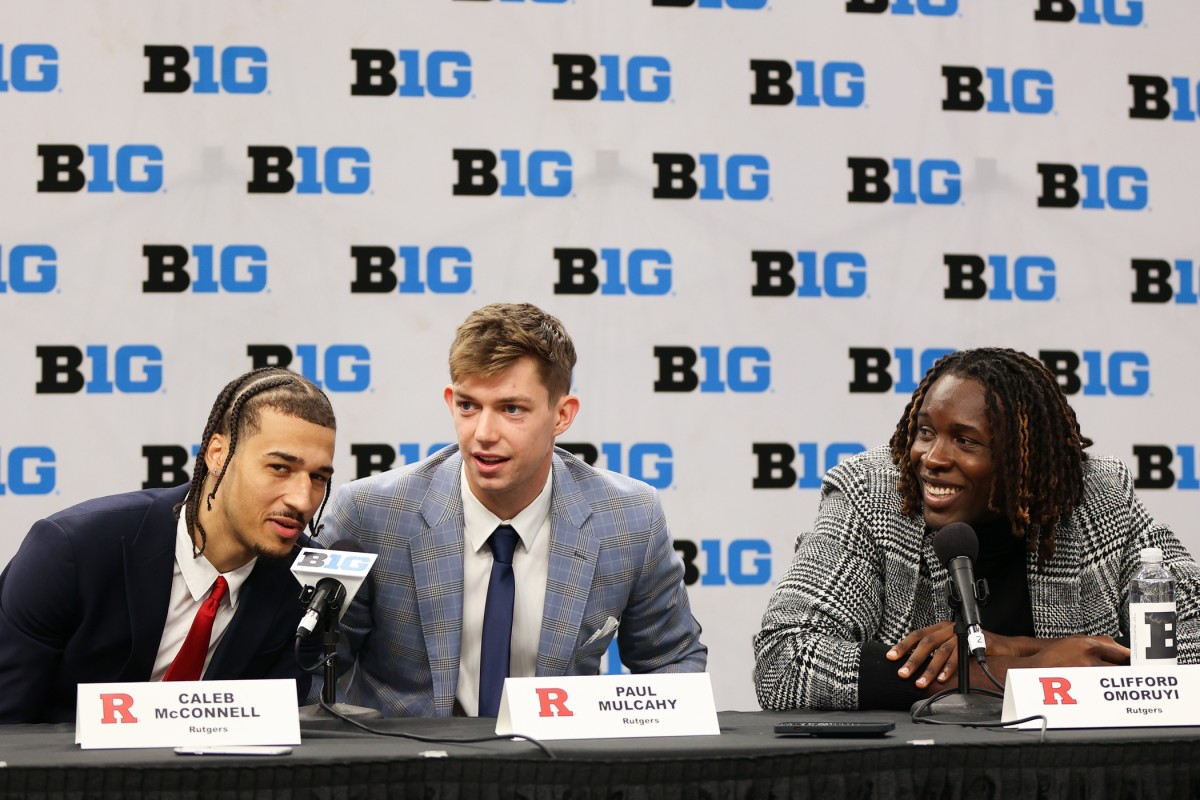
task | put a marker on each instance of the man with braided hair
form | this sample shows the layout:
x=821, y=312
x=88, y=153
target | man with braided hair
x=988, y=439
x=107, y=590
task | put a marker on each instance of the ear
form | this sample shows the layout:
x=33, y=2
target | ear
x=448, y=396
x=565, y=411
x=216, y=452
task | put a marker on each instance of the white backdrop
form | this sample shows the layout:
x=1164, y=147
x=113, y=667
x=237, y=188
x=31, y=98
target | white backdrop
x=109, y=170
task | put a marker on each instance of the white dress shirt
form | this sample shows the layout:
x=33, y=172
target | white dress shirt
x=531, y=568
x=191, y=585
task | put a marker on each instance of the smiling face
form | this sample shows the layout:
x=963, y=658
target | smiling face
x=952, y=453
x=506, y=424
x=273, y=485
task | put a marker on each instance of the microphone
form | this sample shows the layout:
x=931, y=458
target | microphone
x=330, y=579
x=957, y=546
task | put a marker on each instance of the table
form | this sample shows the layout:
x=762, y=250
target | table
x=746, y=761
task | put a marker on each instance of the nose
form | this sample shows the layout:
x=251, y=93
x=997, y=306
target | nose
x=485, y=427
x=303, y=495
x=937, y=454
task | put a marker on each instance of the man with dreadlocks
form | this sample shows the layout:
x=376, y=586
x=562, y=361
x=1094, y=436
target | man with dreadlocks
x=988, y=439
x=107, y=590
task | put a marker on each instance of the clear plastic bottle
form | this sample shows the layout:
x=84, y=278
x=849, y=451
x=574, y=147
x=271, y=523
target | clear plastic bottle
x=1152, y=631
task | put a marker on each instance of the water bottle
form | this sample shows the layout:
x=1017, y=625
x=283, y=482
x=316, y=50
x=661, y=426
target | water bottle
x=1152, y=636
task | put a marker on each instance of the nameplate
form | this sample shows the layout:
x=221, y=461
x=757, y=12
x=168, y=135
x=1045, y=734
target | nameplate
x=175, y=713
x=1104, y=697
x=609, y=706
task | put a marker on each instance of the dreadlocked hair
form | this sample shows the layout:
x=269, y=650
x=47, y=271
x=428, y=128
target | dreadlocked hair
x=237, y=412
x=1037, y=447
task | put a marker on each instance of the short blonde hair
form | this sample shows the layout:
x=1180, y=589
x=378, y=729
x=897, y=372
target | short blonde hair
x=496, y=336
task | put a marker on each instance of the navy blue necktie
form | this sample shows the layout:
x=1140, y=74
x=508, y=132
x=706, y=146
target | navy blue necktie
x=497, y=621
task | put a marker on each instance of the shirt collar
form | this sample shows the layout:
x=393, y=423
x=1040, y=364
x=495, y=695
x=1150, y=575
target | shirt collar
x=199, y=574
x=478, y=522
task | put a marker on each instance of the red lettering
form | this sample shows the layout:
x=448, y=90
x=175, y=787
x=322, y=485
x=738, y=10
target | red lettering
x=552, y=699
x=117, y=705
x=1054, y=692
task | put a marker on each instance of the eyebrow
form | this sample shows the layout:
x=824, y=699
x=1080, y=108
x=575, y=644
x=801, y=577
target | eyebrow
x=954, y=426
x=294, y=459
x=514, y=399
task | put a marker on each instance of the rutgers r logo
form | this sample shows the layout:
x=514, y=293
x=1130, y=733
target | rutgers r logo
x=116, y=705
x=553, y=703
x=1054, y=692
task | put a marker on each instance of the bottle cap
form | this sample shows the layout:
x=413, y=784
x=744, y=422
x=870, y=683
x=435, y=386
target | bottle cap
x=1152, y=555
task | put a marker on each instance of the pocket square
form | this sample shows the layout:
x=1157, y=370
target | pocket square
x=607, y=628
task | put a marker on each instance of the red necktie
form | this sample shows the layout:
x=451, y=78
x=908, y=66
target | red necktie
x=189, y=663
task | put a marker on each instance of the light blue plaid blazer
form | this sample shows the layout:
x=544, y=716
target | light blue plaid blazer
x=610, y=556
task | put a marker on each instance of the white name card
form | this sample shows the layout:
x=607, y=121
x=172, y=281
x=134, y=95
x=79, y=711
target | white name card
x=1104, y=697
x=176, y=713
x=608, y=706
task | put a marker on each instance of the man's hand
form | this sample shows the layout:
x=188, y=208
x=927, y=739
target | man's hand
x=937, y=644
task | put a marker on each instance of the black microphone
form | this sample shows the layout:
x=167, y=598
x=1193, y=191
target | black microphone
x=329, y=593
x=957, y=546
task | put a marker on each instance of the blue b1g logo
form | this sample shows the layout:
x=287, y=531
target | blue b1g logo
x=1152, y=98
x=443, y=270
x=235, y=268
x=837, y=84
x=132, y=168
x=29, y=68
x=937, y=181
x=28, y=269
x=541, y=173
x=741, y=177
x=1153, y=281
x=742, y=5
x=1121, y=13
x=713, y=562
x=835, y=274
x=970, y=277
x=739, y=370
x=340, y=170
x=374, y=457
x=643, y=271
x=649, y=462
x=233, y=70
x=30, y=470
x=127, y=369
x=1026, y=91
x=1120, y=188
x=1124, y=373
x=775, y=463
x=641, y=79
x=927, y=8
x=873, y=368
x=438, y=73
x=340, y=368
x=1157, y=467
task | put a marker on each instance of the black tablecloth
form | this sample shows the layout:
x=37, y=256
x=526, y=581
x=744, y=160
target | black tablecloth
x=747, y=760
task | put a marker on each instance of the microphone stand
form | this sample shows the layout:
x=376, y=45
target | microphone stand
x=330, y=636
x=964, y=705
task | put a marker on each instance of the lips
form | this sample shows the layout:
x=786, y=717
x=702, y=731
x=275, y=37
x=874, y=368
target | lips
x=286, y=527
x=487, y=463
x=939, y=495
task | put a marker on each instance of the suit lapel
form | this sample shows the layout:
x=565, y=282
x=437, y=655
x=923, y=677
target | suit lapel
x=255, y=620
x=437, y=563
x=149, y=556
x=572, y=566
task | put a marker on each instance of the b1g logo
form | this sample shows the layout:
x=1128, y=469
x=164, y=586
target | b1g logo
x=235, y=268
x=548, y=173
x=938, y=181
x=1152, y=98
x=29, y=68
x=546, y=2
x=775, y=463
x=372, y=457
x=746, y=177
x=871, y=367
x=1124, y=373
x=30, y=471
x=925, y=8
x=439, y=73
x=837, y=84
x=836, y=274
x=167, y=465
x=127, y=369
x=1121, y=188
x=28, y=269
x=641, y=79
x=1152, y=281
x=649, y=462
x=442, y=270
x=643, y=271
x=712, y=562
x=340, y=170
x=1027, y=91
x=341, y=368
x=743, y=5
x=1156, y=467
x=742, y=369
x=971, y=277
x=1123, y=13
x=131, y=168
x=233, y=70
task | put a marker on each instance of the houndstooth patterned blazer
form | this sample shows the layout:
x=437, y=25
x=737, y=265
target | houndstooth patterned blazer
x=866, y=572
x=610, y=556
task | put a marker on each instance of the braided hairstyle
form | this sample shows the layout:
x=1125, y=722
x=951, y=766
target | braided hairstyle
x=237, y=413
x=1037, y=447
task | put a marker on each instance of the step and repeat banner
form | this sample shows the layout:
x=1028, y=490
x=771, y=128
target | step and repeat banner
x=761, y=220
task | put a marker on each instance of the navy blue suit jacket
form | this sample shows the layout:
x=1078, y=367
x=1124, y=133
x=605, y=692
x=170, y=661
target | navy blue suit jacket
x=85, y=599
